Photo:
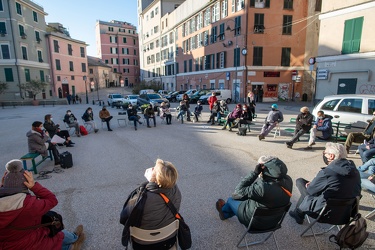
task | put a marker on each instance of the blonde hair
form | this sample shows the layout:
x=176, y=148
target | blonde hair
x=304, y=109
x=165, y=173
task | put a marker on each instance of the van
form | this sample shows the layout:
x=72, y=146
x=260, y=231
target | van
x=224, y=94
x=145, y=91
x=350, y=109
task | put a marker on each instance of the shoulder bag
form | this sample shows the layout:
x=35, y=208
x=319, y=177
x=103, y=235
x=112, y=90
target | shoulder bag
x=184, y=234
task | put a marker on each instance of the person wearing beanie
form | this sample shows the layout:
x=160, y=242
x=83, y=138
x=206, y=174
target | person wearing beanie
x=304, y=121
x=267, y=186
x=274, y=117
x=20, y=210
x=38, y=142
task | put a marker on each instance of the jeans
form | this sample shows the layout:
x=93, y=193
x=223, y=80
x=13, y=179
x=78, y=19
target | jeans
x=133, y=118
x=366, y=154
x=91, y=123
x=366, y=183
x=266, y=129
x=148, y=120
x=297, y=135
x=69, y=239
x=369, y=165
x=230, y=208
x=181, y=115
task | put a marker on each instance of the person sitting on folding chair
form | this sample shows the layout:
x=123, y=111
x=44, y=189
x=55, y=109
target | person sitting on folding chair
x=149, y=113
x=267, y=186
x=274, y=117
x=106, y=117
x=72, y=122
x=88, y=117
x=54, y=129
x=339, y=180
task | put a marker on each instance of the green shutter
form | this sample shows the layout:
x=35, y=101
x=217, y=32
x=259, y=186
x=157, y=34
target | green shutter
x=42, y=75
x=8, y=75
x=352, y=35
x=27, y=75
x=357, y=33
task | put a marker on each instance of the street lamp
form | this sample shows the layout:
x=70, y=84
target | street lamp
x=87, y=97
x=236, y=55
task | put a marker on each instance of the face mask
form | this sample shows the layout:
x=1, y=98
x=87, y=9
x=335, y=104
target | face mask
x=244, y=109
x=89, y=112
x=148, y=173
x=38, y=129
x=325, y=159
x=51, y=119
x=273, y=109
x=320, y=117
x=69, y=113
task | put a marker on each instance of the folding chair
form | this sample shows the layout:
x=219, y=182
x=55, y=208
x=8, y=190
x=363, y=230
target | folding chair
x=373, y=196
x=336, y=212
x=277, y=131
x=148, y=237
x=124, y=118
x=276, y=215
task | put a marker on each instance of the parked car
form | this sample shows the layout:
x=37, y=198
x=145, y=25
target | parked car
x=151, y=98
x=163, y=93
x=189, y=93
x=204, y=98
x=172, y=97
x=349, y=109
x=195, y=97
x=116, y=99
x=132, y=99
x=145, y=91
x=221, y=94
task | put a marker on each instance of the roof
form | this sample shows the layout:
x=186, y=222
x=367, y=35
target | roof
x=95, y=61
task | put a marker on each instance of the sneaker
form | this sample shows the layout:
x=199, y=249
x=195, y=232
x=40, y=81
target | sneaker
x=140, y=122
x=313, y=143
x=356, y=152
x=78, y=244
x=261, y=137
x=308, y=147
x=289, y=144
x=78, y=135
x=96, y=130
x=78, y=231
x=224, y=128
x=149, y=126
x=110, y=129
x=296, y=216
x=69, y=145
x=219, y=205
x=70, y=142
x=135, y=128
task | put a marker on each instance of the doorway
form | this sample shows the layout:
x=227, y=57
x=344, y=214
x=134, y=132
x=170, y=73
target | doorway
x=347, y=86
x=65, y=90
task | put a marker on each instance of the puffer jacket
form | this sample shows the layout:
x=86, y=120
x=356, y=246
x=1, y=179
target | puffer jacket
x=257, y=191
x=304, y=121
x=36, y=143
x=340, y=180
x=325, y=126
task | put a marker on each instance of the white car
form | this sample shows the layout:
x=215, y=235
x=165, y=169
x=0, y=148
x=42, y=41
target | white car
x=190, y=92
x=115, y=98
x=349, y=109
x=132, y=99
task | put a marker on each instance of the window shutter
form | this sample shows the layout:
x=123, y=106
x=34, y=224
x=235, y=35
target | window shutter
x=357, y=33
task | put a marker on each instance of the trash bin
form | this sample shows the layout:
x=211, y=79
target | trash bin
x=304, y=97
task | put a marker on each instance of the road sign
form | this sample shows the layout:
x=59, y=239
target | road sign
x=228, y=76
x=322, y=74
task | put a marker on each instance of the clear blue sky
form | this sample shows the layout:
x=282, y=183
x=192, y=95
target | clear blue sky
x=80, y=16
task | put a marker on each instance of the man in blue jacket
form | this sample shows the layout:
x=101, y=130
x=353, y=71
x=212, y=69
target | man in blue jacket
x=322, y=128
x=339, y=180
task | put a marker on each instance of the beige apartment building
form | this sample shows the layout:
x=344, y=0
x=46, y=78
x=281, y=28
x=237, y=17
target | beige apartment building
x=346, y=55
x=118, y=46
x=68, y=61
x=237, y=45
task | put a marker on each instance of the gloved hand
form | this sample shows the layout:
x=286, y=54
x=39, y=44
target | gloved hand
x=258, y=169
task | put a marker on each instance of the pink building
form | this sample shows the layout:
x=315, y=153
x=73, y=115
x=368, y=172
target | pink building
x=117, y=45
x=68, y=61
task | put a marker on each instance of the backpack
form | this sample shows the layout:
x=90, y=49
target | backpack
x=352, y=235
x=83, y=130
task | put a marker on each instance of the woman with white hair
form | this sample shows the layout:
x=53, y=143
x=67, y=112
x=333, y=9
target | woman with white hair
x=339, y=180
x=267, y=186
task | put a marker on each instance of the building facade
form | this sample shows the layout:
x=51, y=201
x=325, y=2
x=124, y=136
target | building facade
x=68, y=61
x=232, y=44
x=100, y=74
x=346, y=55
x=23, y=53
x=118, y=46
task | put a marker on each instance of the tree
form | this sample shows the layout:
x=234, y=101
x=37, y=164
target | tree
x=3, y=87
x=34, y=87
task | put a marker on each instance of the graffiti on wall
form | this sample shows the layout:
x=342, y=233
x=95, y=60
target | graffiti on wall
x=367, y=89
x=284, y=91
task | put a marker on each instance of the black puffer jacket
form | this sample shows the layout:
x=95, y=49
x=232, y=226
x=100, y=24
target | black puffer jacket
x=263, y=191
x=304, y=121
x=340, y=179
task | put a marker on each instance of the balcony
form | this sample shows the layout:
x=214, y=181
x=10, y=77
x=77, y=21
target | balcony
x=23, y=35
x=258, y=29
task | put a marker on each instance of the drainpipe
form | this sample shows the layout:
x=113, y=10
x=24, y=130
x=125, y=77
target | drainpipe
x=51, y=64
x=14, y=50
x=246, y=41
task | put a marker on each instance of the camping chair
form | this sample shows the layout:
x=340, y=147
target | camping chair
x=336, y=212
x=373, y=196
x=276, y=214
x=148, y=237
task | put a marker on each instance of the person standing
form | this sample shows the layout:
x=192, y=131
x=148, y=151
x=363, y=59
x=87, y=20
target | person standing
x=105, y=116
x=69, y=98
x=251, y=102
x=88, y=117
x=322, y=128
x=211, y=100
x=367, y=134
x=186, y=99
x=273, y=118
x=303, y=125
x=339, y=180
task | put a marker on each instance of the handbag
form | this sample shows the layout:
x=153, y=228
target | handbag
x=184, y=234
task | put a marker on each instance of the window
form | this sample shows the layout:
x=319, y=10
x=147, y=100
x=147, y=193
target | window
x=257, y=56
x=3, y=29
x=214, y=34
x=240, y=5
x=58, y=65
x=352, y=35
x=24, y=52
x=371, y=106
x=330, y=105
x=222, y=31
x=233, y=6
x=185, y=66
x=71, y=66
x=205, y=37
x=71, y=77
x=56, y=46
x=41, y=73
x=190, y=65
x=199, y=21
x=216, y=12
x=70, y=50
x=40, y=57
x=35, y=16
x=259, y=4
x=19, y=8
x=58, y=78
x=27, y=75
x=224, y=8
x=285, y=56
x=207, y=17
x=37, y=36
x=207, y=62
x=258, y=23
x=124, y=40
x=1, y=5
x=8, y=75
x=288, y=4
x=221, y=58
x=134, y=42
x=318, y=5
x=126, y=61
x=21, y=30
x=350, y=105
x=192, y=25
x=114, y=61
x=91, y=71
x=83, y=66
x=199, y=40
x=82, y=50
x=287, y=24
x=110, y=28
x=135, y=52
x=5, y=51
x=237, y=26
x=106, y=61
x=237, y=57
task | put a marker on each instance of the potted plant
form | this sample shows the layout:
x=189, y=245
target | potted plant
x=34, y=87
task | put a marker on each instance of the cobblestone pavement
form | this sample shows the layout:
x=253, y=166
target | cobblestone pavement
x=210, y=161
